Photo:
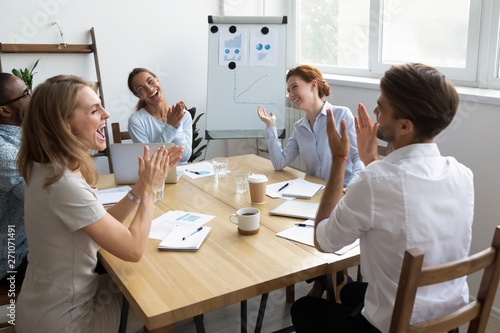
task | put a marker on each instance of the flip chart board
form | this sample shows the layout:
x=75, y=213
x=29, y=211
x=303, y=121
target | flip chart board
x=246, y=68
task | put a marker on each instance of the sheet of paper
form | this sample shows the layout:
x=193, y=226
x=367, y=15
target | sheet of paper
x=305, y=235
x=198, y=170
x=233, y=47
x=113, y=195
x=264, y=50
x=347, y=248
x=163, y=225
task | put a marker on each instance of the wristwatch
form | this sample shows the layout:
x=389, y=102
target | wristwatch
x=133, y=198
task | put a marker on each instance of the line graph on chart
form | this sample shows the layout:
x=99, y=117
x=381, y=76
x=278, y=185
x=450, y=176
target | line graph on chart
x=251, y=90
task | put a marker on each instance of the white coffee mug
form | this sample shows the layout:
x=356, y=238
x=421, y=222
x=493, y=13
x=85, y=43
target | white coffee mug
x=248, y=220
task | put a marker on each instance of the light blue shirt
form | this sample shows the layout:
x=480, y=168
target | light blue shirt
x=144, y=128
x=11, y=201
x=313, y=146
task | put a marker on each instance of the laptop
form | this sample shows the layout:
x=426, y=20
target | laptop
x=296, y=208
x=126, y=164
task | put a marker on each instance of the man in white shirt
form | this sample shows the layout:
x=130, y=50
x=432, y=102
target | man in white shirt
x=413, y=198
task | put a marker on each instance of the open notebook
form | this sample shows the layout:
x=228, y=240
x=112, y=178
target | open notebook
x=185, y=238
x=302, y=189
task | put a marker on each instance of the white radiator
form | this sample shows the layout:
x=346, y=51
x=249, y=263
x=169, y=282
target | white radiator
x=291, y=116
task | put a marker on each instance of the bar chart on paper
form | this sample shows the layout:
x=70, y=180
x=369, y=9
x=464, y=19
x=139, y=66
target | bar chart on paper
x=232, y=49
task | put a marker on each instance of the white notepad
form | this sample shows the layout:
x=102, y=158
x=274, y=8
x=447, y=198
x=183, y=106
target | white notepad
x=302, y=189
x=111, y=196
x=305, y=235
x=295, y=208
x=185, y=239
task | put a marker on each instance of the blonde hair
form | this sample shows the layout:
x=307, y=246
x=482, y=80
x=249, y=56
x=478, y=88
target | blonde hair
x=46, y=139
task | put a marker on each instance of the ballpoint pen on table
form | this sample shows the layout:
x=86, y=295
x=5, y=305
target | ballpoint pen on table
x=303, y=225
x=283, y=187
x=191, y=234
x=195, y=172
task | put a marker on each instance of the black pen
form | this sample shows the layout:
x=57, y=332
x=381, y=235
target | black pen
x=191, y=234
x=303, y=225
x=283, y=187
x=196, y=172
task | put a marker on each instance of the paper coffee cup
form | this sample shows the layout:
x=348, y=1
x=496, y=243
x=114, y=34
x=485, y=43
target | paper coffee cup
x=257, y=184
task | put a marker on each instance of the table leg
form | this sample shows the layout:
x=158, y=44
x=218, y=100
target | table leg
x=290, y=294
x=124, y=315
x=200, y=326
x=243, y=316
x=262, y=311
x=331, y=290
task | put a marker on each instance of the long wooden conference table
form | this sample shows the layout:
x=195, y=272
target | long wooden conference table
x=166, y=287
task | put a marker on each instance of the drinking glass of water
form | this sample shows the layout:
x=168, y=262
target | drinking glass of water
x=241, y=181
x=220, y=167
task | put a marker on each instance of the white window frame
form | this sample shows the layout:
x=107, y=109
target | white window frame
x=482, y=57
x=490, y=61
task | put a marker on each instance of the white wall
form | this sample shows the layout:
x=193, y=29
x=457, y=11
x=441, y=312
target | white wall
x=473, y=139
x=170, y=37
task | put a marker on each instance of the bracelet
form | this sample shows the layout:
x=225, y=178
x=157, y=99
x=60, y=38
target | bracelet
x=344, y=157
x=133, y=198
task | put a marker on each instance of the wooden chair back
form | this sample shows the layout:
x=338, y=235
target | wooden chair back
x=384, y=150
x=118, y=135
x=476, y=312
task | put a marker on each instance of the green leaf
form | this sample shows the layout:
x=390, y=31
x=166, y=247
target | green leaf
x=33, y=68
x=17, y=73
x=26, y=75
x=198, y=118
x=201, y=148
x=196, y=139
x=194, y=156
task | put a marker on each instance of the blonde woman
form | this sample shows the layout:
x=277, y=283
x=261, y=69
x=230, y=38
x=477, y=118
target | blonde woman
x=65, y=223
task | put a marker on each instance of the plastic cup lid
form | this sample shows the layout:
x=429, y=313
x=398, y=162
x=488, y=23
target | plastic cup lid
x=257, y=178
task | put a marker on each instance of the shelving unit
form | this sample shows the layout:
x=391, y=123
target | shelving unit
x=68, y=49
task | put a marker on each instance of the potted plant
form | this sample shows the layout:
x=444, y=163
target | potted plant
x=196, y=139
x=26, y=75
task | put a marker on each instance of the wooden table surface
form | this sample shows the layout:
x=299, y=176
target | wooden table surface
x=166, y=287
x=224, y=190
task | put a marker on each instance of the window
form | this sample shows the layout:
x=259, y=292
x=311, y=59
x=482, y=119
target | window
x=366, y=37
x=335, y=32
x=421, y=30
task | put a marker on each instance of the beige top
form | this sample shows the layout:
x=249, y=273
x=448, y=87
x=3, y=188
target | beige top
x=60, y=283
